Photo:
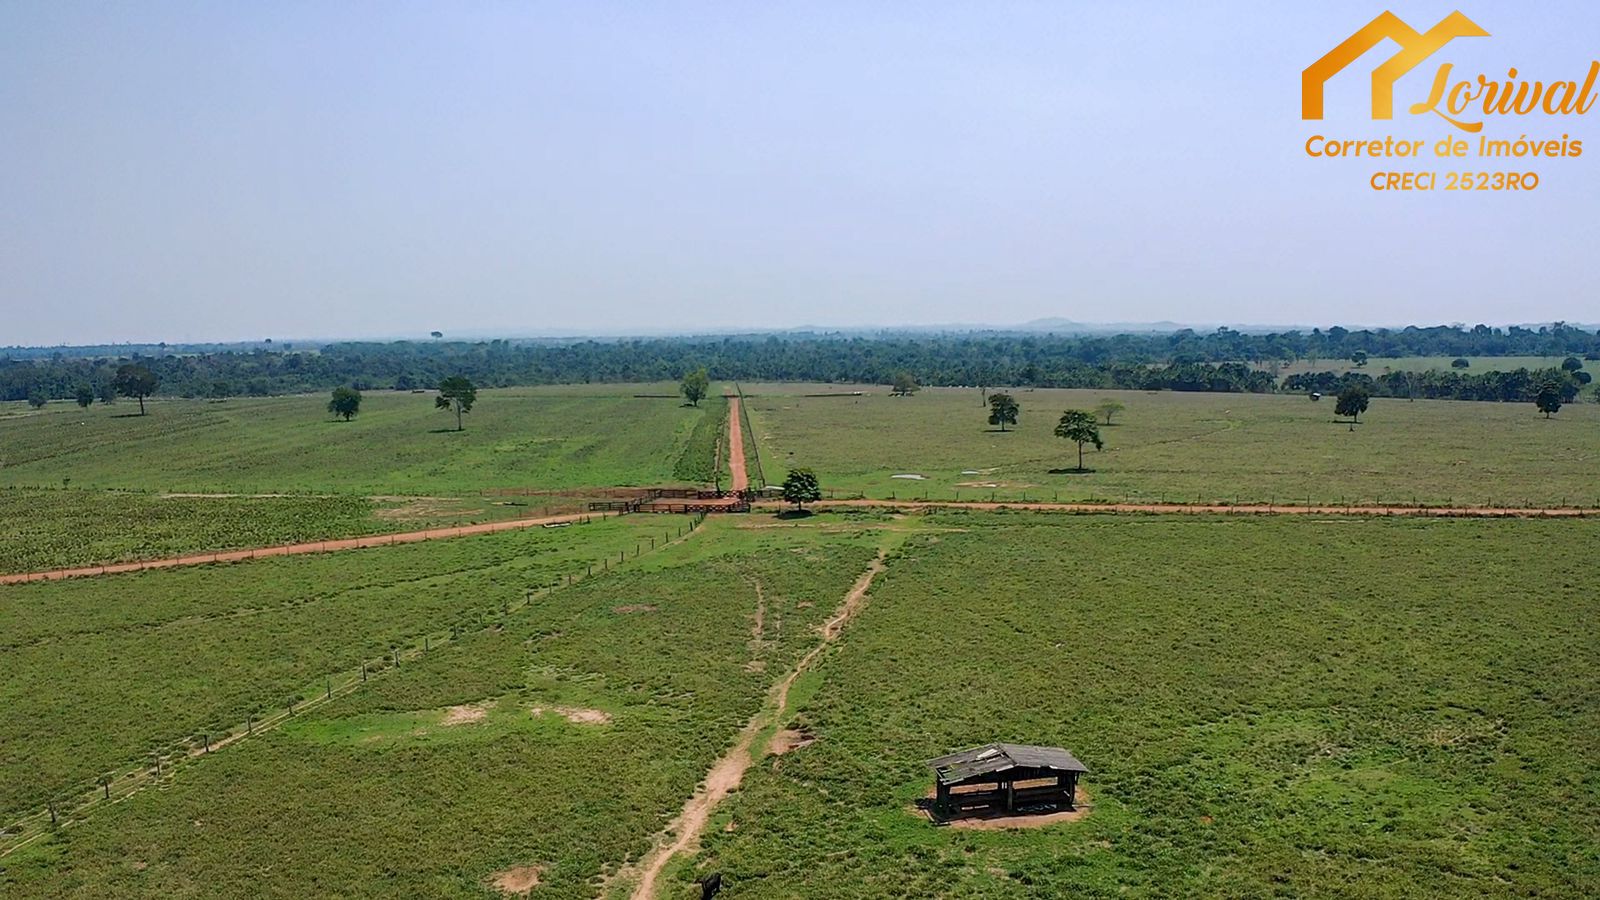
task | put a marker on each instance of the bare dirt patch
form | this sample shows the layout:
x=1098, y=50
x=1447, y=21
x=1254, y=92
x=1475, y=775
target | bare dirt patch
x=575, y=715
x=517, y=880
x=466, y=714
x=418, y=508
x=634, y=608
x=790, y=739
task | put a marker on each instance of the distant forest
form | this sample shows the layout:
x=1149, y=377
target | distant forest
x=1221, y=360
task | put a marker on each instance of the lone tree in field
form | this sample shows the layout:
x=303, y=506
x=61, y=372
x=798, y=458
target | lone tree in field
x=1079, y=426
x=436, y=334
x=1109, y=408
x=37, y=399
x=1548, y=398
x=84, y=395
x=1571, y=364
x=904, y=385
x=1003, y=410
x=457, y=393
x=801, y=487
x=134, y=380
x=1359, y=358
x=1459, y=362
x=1352, y=402
x=695, y=384
x=346, y=403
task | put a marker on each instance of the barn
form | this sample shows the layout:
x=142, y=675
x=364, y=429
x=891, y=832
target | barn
x=1004, y=779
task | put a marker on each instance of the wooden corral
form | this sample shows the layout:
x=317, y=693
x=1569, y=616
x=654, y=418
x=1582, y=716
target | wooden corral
x=677, y=500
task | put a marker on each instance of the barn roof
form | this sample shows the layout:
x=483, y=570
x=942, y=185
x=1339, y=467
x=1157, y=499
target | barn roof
x=991, y=758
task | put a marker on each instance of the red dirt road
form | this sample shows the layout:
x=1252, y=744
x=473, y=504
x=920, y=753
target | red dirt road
x=737, y=479
x=377, y=540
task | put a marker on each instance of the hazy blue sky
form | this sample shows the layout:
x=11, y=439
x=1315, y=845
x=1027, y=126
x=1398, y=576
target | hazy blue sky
x=242, y=170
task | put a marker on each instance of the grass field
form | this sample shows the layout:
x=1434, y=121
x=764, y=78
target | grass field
x=1293, y=706
x=1268, y=707
x=376, y=794
x=545, y=438
x=1182, y=446
x=104, y=672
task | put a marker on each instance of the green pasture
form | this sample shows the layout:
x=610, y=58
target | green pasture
x=106, y=671
x=378, y=794
x=1175, y=446
x=540, y=438
x=1269, y=707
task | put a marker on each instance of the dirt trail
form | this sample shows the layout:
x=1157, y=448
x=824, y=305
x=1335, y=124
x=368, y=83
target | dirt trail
x=728, y=771
x=1263, y=509
x=737, y=479
x=377, y=540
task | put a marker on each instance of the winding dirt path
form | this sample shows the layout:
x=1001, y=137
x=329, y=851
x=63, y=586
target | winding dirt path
x=1247, y=509
x=728, y=771
x=376, y=540
x=737, y=479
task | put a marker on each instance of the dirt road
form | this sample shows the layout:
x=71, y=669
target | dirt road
x=737, y=479
x=377, y=540
x=728, y=771
x=1262, y=509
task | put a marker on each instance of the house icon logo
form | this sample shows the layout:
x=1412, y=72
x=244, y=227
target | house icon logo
x=1414, y=48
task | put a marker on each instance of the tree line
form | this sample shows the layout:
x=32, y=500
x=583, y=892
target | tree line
x=1515, y=386
x=1223, y=360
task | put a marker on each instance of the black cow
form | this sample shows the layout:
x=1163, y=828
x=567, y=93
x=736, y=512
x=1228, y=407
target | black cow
x=709, y=885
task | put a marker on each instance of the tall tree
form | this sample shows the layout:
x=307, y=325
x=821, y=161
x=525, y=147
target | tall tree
x=458, y=393
x=84, y=394
x=1080, y=427
x=1548, y=397
x=1109, y=408
x=1352, y=402
x=694, y=386
x=801, y=487
x=37, y=399
x=1359, y=358
x=1003, y=410
x=346, y=402
x=904, y=384
x=134, y=380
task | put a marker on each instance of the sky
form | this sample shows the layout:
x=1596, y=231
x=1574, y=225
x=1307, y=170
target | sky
x=232, y=171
